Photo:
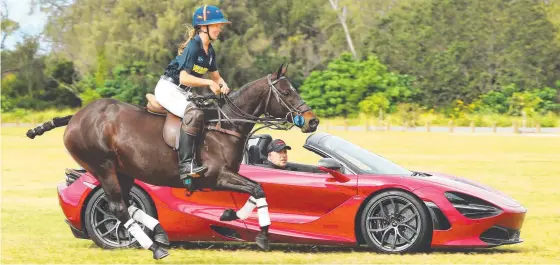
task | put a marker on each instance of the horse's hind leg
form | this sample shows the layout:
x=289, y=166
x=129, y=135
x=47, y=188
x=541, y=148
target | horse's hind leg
x=114, y=193
x=138, y=215
x=234, y=182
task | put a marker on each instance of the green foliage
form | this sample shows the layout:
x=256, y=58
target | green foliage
x=523, y=102
x=5, y=104
x=548, y=96
x=408, y=113
x=463, y=49
x=129, y=83
x=102, y=65
x=493, y=102
x=338, y=90
x=512, y=100
x=461, y=58
x=35, y=81
x=89, y=96
x=8, y=27
x=374, y=104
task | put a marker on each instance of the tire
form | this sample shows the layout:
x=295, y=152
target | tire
x=379, y=223
x=100, y=223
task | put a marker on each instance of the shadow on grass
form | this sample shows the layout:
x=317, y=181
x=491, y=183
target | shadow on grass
x=290, y=248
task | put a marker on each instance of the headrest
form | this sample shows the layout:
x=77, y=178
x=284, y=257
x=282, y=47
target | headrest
x=263, y=144
x=254, y=155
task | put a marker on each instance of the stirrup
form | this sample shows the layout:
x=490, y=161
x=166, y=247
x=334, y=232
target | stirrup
x=200, y=172
x=189, y=188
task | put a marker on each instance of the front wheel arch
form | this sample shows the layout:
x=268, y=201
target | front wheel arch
x=357, y=219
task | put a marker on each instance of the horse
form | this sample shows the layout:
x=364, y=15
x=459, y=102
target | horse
x=118, y=142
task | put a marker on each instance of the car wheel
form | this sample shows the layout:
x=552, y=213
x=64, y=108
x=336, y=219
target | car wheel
x=396, y=222
x=104, y=228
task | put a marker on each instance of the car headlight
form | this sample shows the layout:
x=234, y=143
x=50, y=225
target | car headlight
x=472, y=207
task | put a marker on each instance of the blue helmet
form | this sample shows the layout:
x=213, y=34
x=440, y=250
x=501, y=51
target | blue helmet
x=208, y=15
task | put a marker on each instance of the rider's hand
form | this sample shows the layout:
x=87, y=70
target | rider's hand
x=215, y=87
x=225, y=88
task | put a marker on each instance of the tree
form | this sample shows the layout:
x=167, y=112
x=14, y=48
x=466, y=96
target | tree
x=342, y=14
x=8, y=26
x=463, y=49
x=263, y=35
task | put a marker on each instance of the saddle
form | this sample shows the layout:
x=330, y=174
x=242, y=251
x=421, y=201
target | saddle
x=172, y=123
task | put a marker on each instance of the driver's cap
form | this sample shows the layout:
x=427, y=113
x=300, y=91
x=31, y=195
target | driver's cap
x=277, y=146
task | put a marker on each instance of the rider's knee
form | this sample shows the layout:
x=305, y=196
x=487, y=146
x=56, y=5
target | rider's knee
x=193, y=120
x=258, y=192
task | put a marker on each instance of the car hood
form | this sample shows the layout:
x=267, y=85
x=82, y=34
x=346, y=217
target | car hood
x=471, y=188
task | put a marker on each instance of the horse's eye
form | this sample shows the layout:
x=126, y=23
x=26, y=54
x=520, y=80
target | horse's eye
x=286, y=92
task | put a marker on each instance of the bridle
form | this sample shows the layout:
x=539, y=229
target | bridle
x=295, y=112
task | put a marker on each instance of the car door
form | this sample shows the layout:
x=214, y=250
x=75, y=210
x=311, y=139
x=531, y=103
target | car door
x=196, y=217
x=296, y=197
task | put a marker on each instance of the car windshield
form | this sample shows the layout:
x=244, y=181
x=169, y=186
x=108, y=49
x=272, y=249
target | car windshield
x=365, y=160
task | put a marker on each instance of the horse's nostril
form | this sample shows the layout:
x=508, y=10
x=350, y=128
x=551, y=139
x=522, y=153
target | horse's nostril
x=313, y=123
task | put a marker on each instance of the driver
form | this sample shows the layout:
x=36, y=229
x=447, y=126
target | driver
x=277, y=155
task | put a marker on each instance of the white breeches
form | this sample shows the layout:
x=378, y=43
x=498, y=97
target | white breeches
x=171, y=97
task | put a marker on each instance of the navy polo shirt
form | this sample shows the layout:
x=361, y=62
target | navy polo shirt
x=194, y=60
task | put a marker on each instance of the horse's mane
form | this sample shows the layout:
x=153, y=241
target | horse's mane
x=238, y=97
x=235, y=95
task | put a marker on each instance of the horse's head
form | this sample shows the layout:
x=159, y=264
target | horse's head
x=284, y=101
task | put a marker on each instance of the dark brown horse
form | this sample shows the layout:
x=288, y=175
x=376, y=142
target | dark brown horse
x=117, y=142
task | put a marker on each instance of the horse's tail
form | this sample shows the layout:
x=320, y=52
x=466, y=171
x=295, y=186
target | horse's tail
x=47, y=126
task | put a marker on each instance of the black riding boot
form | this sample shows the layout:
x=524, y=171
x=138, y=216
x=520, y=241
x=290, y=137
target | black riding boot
x=188, y=167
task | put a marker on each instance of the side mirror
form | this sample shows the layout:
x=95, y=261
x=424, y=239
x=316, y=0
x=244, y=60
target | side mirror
x=329, y=163
x=331, y=166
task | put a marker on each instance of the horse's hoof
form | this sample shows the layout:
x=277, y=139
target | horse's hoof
x=229, y=215
x=262, y=241
x=160, y=236
x=159, y=252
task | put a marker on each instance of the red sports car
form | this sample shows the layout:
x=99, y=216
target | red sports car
x=353, y=197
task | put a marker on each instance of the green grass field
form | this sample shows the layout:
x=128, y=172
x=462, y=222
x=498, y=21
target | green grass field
x=525, y=167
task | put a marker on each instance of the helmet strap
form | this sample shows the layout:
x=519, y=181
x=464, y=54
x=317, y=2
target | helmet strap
x=207, y=32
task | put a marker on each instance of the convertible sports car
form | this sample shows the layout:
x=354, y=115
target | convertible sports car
x=352, y=197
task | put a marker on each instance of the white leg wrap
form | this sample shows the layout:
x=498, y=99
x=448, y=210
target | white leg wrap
x=262, y=211
x=247, y=209
x=137, y=232
x=142, y=217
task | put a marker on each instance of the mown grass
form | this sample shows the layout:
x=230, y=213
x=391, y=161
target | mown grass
x=525, y=167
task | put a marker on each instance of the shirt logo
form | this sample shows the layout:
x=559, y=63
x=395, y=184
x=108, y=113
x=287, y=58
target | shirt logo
x=199, y=69
x=200, y=59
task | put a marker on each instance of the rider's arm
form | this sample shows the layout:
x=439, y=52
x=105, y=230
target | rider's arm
x=192, y=81
x=215, y=76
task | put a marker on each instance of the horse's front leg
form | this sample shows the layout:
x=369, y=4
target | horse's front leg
x=234, y=182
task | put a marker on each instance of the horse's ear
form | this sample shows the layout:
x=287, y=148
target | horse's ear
x=285, y=69
x=278, y=74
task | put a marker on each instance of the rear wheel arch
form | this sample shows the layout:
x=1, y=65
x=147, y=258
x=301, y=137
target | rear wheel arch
x=98, y=187
x=84, y=206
